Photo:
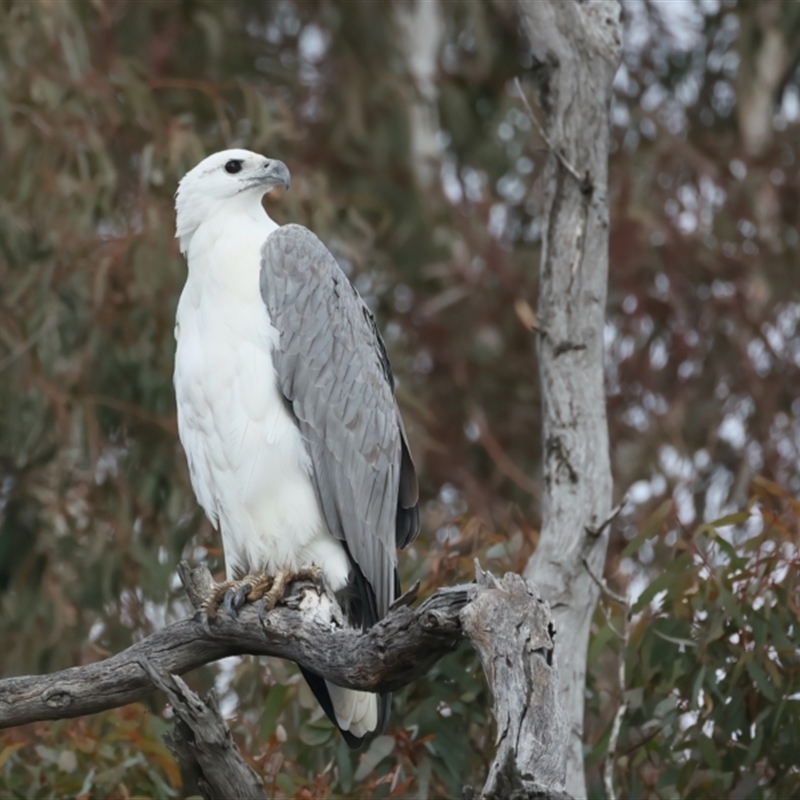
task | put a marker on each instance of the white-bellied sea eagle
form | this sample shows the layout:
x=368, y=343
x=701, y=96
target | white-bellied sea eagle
x=286, y=410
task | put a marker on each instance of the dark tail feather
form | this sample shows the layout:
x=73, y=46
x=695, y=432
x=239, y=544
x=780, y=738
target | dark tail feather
x=358, y=603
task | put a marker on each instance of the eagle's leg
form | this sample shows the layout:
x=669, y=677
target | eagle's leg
x=279, y=584
x=232, y=595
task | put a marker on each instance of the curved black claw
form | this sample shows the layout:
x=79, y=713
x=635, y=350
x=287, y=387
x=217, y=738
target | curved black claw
x=233, y=601
x=227, y=604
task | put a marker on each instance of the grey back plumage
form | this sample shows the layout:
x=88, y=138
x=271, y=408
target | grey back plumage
x=333, y=370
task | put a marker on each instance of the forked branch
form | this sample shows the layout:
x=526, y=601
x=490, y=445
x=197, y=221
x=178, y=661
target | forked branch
x=507, y=622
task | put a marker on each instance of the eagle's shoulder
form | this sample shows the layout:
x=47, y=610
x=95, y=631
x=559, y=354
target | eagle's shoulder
x=298, y=272
x=295, y=248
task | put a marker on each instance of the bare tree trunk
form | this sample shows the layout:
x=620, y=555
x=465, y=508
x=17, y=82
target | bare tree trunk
x=576, y=48
x=768, y=48
x=422, y=28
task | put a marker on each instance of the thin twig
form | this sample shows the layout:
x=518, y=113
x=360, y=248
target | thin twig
x=611, y=753
x=567, y=166
x=615, y=512
x=613, y=628
x=209, y=87
x=501, y=459
x=624, y=637
x=32, y=341
x=167, y=424
x=605, y=588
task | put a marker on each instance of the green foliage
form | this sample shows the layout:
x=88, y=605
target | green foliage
x=111, y=756
x=713, y=664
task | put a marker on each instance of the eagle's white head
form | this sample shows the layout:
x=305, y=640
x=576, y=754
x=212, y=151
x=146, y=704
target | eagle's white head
x=228, y=180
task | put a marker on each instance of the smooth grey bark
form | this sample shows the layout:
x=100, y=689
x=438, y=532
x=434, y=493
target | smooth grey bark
x=422, y=29
x=576, y=48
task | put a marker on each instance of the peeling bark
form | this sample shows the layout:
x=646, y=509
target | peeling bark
x=511, y=627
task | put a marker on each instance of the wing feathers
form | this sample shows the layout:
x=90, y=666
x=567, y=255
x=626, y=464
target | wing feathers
x=407, y=523
x=333, y=368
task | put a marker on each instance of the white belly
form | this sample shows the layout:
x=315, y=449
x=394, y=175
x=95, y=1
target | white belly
x=248, y=463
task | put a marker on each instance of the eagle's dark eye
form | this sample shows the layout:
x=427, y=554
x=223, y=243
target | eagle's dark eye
x=233, y=166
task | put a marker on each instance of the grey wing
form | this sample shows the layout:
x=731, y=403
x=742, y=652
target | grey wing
x=332, y=368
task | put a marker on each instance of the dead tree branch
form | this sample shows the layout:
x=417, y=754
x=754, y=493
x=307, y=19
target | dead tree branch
x=511, y=627
x=304, y=629
x=210, y=761
x=507, y=621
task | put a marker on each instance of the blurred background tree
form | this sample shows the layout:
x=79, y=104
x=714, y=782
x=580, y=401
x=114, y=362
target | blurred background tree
x=413, y=160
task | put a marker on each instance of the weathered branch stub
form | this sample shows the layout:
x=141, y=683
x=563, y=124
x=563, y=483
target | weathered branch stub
x=210, y=761
x=511, y=627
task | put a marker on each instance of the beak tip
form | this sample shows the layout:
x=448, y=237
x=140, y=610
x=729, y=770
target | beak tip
x=278, y=174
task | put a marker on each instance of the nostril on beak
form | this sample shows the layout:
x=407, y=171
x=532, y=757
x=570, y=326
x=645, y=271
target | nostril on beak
x=276, y=173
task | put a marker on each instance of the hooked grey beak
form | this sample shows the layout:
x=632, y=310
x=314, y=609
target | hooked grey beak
x=276, y=173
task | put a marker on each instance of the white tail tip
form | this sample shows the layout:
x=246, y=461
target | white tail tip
x=356, y=712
